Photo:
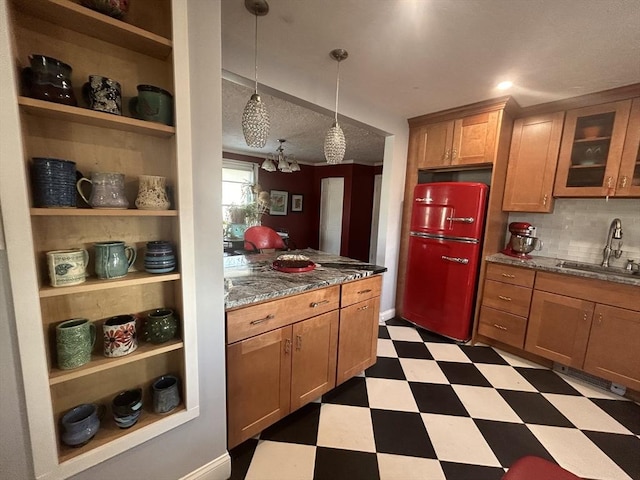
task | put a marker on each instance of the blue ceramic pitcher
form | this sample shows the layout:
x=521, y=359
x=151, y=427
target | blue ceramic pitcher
x=113, y=259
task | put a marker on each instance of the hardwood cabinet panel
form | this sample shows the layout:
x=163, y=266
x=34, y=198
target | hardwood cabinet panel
x=258, y=383
x=507, y=274
x=591, y=150
x=433, y=147
x=629, y=177
x=313, y=370
x=559, y=328
x=532, y=165
x=358, y=290
x=474, y=139
x=253, y=320
x=508, y=298
x=358, y=336
x=502, y=326
x=612, y=351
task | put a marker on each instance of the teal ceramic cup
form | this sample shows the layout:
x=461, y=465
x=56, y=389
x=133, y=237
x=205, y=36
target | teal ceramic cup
x=75, y=339
x=153, y=104
x=113, y=259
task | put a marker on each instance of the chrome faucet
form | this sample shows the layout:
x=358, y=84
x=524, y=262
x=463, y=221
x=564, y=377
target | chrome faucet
x=615, y=231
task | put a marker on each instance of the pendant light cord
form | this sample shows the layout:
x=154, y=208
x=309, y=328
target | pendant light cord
x=255, y=57
x=337, y=91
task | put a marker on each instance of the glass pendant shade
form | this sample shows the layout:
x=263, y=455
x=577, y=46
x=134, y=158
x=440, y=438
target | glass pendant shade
x=334, y=145
x=255, y=122
x=294, y=165
x=268, y=165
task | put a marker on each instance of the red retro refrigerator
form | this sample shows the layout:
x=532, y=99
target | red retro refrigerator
x=447, y=222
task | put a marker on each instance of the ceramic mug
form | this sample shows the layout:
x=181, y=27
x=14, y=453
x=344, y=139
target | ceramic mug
x=113, y=259
x=103, y=94
x=127, y=407
x=120, y=337
x=152, y=193
x=48, y=79
x=153, y=104
x=54, y=182
x=107, y=190
x=67, y=267
x=166, y=395
x=75, y=339
x=81, y=423
x=161, y=325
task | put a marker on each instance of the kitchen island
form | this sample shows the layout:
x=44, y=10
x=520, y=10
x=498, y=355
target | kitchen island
x=291, y=337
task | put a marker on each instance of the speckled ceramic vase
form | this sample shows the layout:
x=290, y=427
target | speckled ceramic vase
x=152, y=193
x=161, y=325
x=74, y=342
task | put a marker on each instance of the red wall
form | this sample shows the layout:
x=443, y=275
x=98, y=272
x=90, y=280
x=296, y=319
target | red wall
x=303, y=227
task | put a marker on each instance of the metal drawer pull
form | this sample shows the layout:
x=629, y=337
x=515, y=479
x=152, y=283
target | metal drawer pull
x=463, y=261
x=260, y=320
x=287, y=345
x=506, y=299
x=363, y=307
x=461, y=219
x=298, y=342
x=317, y=304
x=364, y=291
x=500, y=327
x=508, y=275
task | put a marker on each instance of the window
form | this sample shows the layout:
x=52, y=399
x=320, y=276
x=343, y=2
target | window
x=236, y=175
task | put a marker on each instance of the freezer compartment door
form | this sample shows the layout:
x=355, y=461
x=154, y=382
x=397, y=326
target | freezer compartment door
x=449, y=209
x=440, y=286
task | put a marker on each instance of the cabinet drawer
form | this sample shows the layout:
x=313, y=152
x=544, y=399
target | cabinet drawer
x=504, y=327
x=359, y=290
x=508, y=298
x=512, y=275
x=255, y=319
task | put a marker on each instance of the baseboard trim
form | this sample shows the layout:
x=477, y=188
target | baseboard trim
x=386, y=315
x=218, y=469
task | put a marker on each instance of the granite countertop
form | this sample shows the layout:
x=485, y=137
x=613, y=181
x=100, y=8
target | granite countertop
x=549, y=264
x=250, y=278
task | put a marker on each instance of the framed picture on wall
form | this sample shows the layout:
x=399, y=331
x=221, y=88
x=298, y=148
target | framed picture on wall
x=279, y=201
x=296, y=203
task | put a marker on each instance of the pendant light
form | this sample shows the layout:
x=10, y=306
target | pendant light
x=280, y=161
x=255, y=118
x=334, y=141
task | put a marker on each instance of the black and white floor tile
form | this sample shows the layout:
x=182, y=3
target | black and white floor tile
x=430, y=409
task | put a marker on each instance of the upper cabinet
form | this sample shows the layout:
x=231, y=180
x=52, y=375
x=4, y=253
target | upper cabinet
x=532, y=163
x=629, y=174
x=464, y=141
x=591, y=153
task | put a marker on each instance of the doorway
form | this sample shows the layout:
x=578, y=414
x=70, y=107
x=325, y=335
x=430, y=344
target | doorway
x=331, y=202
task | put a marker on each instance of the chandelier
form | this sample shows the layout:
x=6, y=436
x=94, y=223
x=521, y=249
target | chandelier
x=334, y=141
x=280, y=161
x=255, y=118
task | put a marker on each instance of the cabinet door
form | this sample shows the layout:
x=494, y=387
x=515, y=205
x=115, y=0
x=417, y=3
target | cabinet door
x=358, y=338
x=613, y=352
x=433, y=144
x=474, y=139
x=629, y=177
x=591, y=150
x=313, y=369
x=258, y=381
x=533, y=158
x=559, y=328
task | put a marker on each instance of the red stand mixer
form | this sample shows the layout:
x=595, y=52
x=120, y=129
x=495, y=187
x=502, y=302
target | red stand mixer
x=522, y=241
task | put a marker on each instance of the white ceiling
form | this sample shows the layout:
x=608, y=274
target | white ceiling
x=411, y=57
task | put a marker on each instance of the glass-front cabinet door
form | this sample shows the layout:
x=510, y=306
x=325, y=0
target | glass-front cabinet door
x=629, y=176
x=591, y=150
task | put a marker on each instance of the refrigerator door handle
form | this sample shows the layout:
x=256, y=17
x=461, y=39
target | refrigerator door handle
x=461, y=219
x=463, y=261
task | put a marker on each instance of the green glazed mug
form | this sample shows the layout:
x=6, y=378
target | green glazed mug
x=75, y=339
x=153, y=104
x=161, y=325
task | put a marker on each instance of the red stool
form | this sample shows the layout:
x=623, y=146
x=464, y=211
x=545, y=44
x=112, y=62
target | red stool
x=536, y=468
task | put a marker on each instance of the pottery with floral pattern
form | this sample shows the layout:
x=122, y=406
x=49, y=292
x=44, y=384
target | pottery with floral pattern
x=120, y=336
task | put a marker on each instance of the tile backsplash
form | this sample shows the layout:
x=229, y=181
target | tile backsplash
x=577, y=229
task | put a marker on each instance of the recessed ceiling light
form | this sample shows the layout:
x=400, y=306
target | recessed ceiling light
x=504, y=85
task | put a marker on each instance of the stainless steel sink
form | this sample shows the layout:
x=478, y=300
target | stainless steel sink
x=592, y=267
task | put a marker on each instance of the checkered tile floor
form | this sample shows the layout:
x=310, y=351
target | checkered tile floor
x=430, y=409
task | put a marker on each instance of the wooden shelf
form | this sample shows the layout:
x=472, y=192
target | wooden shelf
x=94, y=284
x=99, y=363
x=93, y=212
x=592, y=139
x=97, y=25
x=109, y=431
x=593, y=165
x=85, y=116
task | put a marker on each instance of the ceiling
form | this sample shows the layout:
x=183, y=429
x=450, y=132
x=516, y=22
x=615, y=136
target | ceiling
x=411, y=57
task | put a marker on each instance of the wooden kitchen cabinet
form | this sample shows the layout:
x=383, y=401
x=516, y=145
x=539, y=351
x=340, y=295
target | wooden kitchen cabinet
x=629, y=175
x=533, y=158
x=138, y=50
x=591, y=151
x=559, y=328
x=432, y=144
x=612, y=351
